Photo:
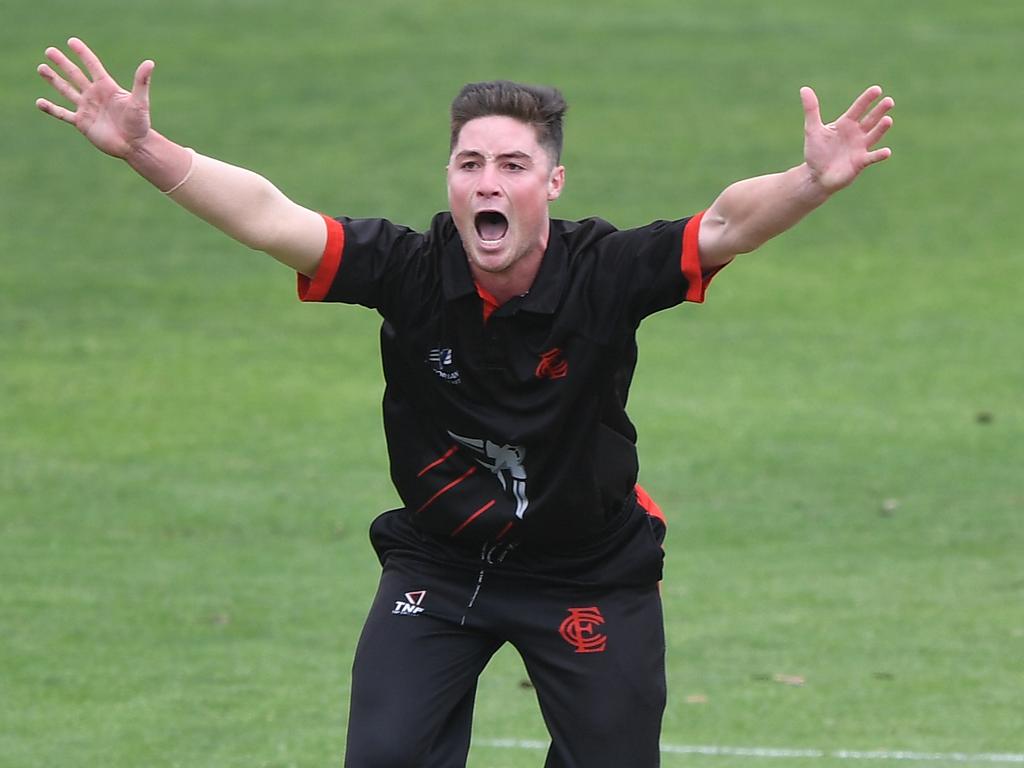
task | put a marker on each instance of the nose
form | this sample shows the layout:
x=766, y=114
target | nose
x=489, y=185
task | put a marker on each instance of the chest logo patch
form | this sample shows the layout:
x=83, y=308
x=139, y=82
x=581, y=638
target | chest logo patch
x=442, y=363
x=552, y=365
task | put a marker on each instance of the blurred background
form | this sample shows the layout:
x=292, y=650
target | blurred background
x=190, y=459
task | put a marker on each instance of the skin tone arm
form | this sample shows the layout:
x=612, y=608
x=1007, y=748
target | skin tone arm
x=750, y=212
x=239, y=202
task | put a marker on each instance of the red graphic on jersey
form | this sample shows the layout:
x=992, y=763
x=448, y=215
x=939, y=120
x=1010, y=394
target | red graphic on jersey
x=552, y=365
x=578, y=630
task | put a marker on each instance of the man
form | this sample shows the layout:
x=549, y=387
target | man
x=508, y=345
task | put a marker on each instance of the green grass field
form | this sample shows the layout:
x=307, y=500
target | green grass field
x=189, y=458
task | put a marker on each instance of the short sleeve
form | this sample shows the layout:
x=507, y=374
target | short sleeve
x=363, y=262
x=317, y=288
x=658, y=266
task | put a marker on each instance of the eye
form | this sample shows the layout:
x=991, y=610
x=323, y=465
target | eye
x=469, y=165
x=514, y=167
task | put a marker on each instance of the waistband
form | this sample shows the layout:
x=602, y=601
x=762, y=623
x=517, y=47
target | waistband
x=626, y=551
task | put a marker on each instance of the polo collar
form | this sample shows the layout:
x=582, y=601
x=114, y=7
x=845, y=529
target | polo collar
x=549, y=284
x=457, y=281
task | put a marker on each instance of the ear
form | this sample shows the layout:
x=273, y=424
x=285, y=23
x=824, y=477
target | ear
x=556, y=181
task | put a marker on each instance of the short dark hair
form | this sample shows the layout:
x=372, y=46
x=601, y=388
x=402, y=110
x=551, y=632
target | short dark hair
x=541, y=106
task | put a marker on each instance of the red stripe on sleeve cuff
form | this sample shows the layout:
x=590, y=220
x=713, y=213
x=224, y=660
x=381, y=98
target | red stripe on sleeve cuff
x=690, y=262
x=316, y=289
x=697, y=279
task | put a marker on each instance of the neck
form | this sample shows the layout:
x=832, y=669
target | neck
x=511, y=282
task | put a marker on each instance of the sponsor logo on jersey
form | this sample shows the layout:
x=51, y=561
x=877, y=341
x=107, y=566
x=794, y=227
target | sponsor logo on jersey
x=442, y=362
x=412, y=604
x=552, y=365
x=579, y=629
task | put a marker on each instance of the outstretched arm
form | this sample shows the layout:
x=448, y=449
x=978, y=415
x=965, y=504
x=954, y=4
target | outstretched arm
x=750, y=212
x=239, y=202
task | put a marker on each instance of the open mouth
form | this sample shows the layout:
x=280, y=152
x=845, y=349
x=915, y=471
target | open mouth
x=491, y=226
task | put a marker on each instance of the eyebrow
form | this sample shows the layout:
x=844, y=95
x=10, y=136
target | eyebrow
x=514, y=155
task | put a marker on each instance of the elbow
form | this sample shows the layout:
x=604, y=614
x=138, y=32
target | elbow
x=745, y=242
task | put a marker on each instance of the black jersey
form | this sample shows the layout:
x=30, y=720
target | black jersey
x=509, y=423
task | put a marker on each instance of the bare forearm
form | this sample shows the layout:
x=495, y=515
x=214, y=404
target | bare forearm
x=159, y=160
x=750, y=212
x=239, y=202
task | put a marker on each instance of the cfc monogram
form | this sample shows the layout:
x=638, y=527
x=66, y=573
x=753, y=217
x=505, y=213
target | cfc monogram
x=578, y=630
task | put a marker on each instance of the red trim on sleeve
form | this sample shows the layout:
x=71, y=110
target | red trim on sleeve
x=649, y=505
x=690, y=260
x=316, y=289
x=697, y=279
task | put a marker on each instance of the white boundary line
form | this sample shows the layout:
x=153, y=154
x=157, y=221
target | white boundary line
x=771, y=752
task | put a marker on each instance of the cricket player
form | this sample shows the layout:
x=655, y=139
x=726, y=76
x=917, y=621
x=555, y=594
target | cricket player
x=508, y=341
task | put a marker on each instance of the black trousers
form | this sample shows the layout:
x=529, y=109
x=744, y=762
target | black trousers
x=595, y=656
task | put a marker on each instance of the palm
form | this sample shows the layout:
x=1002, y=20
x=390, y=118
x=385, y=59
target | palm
x=110, y=117
x=836, y=153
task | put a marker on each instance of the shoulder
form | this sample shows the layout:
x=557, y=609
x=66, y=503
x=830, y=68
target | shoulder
x=583, y=237
x=583, y=230
x=381, y=231
x=594, y=231
x=596, y=236
x=442, y=228
x=381, y=238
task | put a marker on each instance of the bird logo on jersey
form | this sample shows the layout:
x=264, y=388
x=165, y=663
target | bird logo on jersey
x=506, y=462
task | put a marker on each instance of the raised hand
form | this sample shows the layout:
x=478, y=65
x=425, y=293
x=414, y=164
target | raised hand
x=113, y=119
x=836, y=153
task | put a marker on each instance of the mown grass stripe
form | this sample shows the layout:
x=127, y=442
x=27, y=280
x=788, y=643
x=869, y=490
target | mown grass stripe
x=780, y=752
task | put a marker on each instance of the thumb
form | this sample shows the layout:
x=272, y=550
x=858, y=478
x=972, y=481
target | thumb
x=140, y=86
x=812, y=112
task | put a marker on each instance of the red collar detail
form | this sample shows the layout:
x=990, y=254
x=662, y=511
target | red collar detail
x=490, y=303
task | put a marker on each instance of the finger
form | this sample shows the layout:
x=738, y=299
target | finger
x=90, y=59
x=140, y=86
x=878, y=156
x=876, y=114
x=68, y=67
x=812, y=111
x=875, y=134
x=862, y=102
x=56, y=111
x=59, y=84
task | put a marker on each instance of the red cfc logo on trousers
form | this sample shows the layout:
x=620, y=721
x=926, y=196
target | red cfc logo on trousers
x=579, y=630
